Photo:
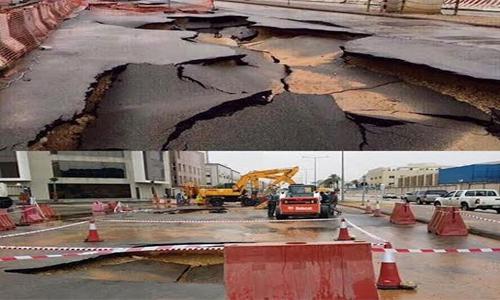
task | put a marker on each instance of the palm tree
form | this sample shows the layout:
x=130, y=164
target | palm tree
x=331, y=180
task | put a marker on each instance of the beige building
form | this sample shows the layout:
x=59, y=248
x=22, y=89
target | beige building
x=394, y=176
x=86, y=175
x=217, y=174
x=187, y=166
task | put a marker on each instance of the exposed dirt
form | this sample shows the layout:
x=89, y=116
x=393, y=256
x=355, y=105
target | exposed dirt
x=479, y=93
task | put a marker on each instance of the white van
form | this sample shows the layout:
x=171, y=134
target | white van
x=471, y=199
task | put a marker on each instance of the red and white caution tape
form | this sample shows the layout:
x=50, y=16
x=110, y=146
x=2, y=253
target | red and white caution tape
x=479, y=218
x=218, y=221
x=41, y=230
x=101, y=251
x=448, y=250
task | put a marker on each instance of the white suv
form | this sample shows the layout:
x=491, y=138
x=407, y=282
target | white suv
x=471, y=199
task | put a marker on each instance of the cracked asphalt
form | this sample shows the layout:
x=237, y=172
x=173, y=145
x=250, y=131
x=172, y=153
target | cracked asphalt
x=243, y=78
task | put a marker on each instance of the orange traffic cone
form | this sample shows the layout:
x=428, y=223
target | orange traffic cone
x=389, y=276
x=344, y=233
x=93, y=236
x=368, y=209
x=377, y=212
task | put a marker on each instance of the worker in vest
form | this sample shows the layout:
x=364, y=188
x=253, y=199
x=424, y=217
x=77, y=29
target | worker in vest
x=271, y=204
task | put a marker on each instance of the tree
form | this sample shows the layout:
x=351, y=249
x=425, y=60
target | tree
x=331, y=180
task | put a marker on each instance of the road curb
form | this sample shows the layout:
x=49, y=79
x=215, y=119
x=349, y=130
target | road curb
x=472, y=229
x=295, y=6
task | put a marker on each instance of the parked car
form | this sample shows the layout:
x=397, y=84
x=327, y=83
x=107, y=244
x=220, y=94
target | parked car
x=425, y=196
x=405, y=196
x=471, y=199
x=390, y=196
x=5, y=200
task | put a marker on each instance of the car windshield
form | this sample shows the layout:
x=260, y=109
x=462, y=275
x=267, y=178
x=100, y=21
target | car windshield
x=450, y=194
x=301, y=190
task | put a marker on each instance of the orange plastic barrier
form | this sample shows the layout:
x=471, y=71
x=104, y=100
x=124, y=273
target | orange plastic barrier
x=34, y=22
x=47, y=211
x=331, y=270
x=19, y=30
x=30, y=215
x=402, y=214
x=6, y=222
x=447, y=221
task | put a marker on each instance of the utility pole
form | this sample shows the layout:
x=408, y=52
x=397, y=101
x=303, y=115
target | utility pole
x=342, y=179
x=315, y=166
x=363, y=185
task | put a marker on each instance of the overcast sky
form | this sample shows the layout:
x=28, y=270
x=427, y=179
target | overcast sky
x=356, y=162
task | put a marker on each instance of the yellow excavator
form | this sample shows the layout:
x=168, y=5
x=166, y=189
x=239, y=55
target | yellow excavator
x=237, y=191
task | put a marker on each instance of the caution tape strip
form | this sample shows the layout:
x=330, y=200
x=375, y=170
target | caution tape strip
x=214, y=247
x=448, y=250
x=41, y=230
x=101, y=251
x=479, y=218
x=218, y=221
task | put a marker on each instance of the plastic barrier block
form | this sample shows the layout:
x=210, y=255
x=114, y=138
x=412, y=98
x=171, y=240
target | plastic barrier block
x=16, y=48
x=6, y=222
x=431, y=226
x=451, y=223
x=30, y=215
x=333, y=270
x=402, y=214
x=19, y=30
x=33, y=15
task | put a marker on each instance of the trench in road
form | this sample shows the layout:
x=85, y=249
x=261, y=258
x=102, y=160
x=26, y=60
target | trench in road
x=307, y=58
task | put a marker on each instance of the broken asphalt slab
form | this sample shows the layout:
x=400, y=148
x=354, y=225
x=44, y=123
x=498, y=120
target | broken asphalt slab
x=57, y=83
x=289, y=122
x=458, y=59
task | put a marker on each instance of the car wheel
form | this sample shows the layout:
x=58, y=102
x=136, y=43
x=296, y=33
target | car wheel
x=498, y=211
x=464, y=206
x=437, y=203
x=279, y=216
x=419, y=201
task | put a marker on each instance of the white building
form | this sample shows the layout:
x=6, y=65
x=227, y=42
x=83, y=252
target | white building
x=86, y=174
x=391, y=176
x=217, y=174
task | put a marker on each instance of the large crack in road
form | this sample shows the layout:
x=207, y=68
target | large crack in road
x=257, y=94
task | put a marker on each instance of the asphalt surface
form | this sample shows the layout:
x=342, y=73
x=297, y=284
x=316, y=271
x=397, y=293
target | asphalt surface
x=427, y=270
x=177, y=91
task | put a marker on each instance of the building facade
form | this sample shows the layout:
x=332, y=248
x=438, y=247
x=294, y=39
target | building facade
x=395, y=177
x=70, y=175
x=187, y=167
x=218, y=174
x=475, y=173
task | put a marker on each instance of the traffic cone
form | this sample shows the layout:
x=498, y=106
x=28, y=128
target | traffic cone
x=368, y=209
x=93, y=236
x=389, y=276
x=344, y=233
x=376, y=212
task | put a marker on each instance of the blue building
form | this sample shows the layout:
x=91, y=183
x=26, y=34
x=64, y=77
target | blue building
x=476, y=173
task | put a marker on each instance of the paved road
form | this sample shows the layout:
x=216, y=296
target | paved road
x=425, y=269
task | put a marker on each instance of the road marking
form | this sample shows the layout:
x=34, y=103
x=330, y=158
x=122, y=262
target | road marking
x=41, y=230
x=373, y=236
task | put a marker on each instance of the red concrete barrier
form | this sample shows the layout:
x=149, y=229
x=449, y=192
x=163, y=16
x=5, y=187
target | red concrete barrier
x=402, y=214
x=47, y=17
x=447, y=221
x=332, y=270
x=10, y=48
x=6, y=222
x=30, y=215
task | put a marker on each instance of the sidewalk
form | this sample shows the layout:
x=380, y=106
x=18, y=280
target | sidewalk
x=423, y=214
x=479, y=20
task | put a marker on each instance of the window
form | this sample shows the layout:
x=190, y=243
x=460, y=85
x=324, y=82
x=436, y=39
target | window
x=491, y=194
x=85, y=191
x=8, y=165
x=459, y=193
x=481, y=193
x=88, y=169
x=391, y=176
x=469, y=194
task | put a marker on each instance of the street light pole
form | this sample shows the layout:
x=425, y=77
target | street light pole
x=342, y=179
x=315, y=166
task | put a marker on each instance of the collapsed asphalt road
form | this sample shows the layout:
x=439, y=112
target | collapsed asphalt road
x=228, y=81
